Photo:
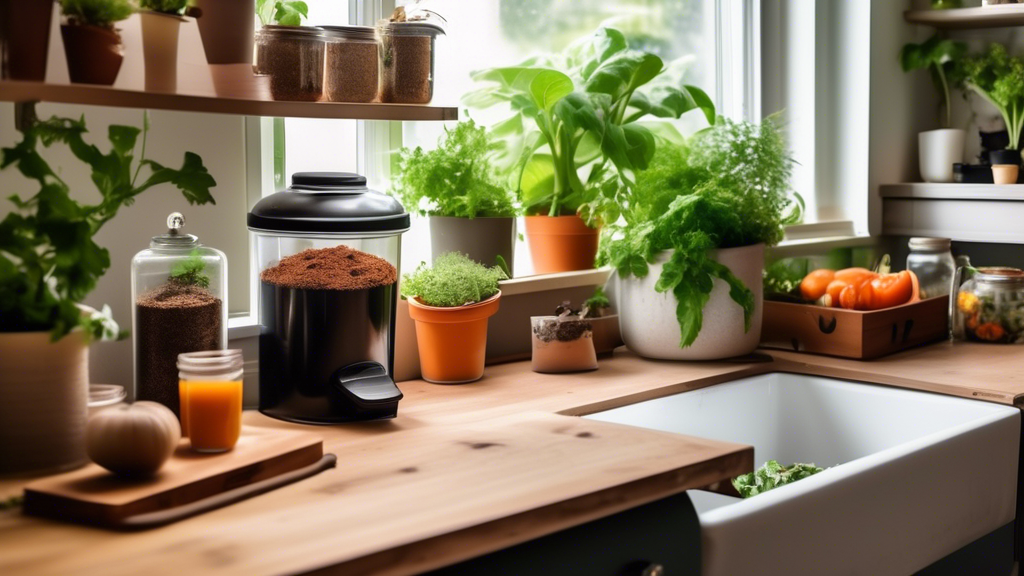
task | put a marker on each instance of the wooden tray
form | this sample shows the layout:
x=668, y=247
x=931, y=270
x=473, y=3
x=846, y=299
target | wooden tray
x=852, y=333
x=188, y=484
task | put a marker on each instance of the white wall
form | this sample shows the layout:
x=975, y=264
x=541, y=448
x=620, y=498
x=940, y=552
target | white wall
x=219, y=140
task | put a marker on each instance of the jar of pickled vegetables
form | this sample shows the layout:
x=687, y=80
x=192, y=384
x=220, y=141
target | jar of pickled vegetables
x=989, y=305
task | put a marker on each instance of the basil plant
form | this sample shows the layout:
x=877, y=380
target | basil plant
x=583, y=123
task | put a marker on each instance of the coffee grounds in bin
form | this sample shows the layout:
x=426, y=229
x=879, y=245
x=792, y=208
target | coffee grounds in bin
x=338, y=268
x=172, y=319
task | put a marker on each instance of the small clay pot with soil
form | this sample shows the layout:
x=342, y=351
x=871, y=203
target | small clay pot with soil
x=352, y=64
x=293, y=58
x=94, y=54
x=172, y=319
x=563, y=343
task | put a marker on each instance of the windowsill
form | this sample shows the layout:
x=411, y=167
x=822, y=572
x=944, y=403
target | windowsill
x=812, y=246
x=241, y=327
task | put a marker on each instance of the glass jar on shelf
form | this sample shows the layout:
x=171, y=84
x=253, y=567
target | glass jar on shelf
x=932, y=261
x=179, y=295
x=407, y=55
x=989, y=305
x=293, y=59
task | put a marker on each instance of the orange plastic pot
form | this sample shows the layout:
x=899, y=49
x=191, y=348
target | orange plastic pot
x=452, y=341
x=561, y=243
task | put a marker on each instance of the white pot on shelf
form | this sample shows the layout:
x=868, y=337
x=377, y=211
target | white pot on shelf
x=160, y=50
x=647, y=318
x=938, y=150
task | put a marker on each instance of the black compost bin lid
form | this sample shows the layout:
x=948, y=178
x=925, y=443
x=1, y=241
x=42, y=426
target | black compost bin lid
x=329, y=202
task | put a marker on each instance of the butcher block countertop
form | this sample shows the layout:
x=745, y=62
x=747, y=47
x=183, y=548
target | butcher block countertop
x=466, y=470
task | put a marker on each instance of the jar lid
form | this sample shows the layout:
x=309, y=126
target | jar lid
x=350, y=32
x=929, y=243
x=105, y=395
x=1000, y=275
x=292, y=31
x=175, y=238
x=329, y=203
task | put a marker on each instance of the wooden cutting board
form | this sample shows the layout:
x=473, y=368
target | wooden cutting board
x=92, y=495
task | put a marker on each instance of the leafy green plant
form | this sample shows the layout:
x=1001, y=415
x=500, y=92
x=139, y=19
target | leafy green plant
x=455, y=179
x=998, y=77
x=940, y=58
x=281, y=12
x=164, y=6
x=453, y=280
x=189, y=272
x=727, y=187
x=782, y=278
x=102, y=13
x=49, y=261
x=576, y=140
x=593, y=306
x=772, y=475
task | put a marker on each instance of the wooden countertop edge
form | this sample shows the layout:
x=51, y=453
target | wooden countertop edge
x=454, y=547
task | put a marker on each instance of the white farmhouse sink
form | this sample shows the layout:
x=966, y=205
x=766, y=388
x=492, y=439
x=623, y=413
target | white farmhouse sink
x=913, y=476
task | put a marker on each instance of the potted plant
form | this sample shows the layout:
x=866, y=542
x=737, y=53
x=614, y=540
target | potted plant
x=49, y=262
x=24, y=38
x=563, y=342
x=598, y=311
x=576, y=139
x=91, y=43
x=998, y=77
x=938, y=149
x=161, y=20
x=274, y=13
x=450, y=303
x=690, y=253
x=454, y=185
x=226, y=28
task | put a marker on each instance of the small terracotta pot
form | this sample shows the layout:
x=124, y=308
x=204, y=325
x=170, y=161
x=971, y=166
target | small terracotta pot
x=452, y=341
x=94, y=54
x=561, y=243
x=25, y=38
x=1005, y=173
x=44, y=390
x=160, y=50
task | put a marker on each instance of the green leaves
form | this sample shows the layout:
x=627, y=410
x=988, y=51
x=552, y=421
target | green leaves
x=164, y=6
x=282, y=13
x=189, y=272
x=622, y=74
x=939, y=57
x=48, y=259
x=999, y=78
x=102, y=13
x=772, y=475
x=454, y=280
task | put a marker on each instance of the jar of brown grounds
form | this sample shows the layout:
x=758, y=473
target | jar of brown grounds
x=293, y=58
x=327, y=251
x=351, y=64
x=407, y=60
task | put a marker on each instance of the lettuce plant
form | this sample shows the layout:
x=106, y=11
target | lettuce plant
x=101, y=13
x=453, y=280
x=576, y=139
x=999, y=78
x=455, y=179
x=281, y=12
x=771, y=475
x=728, y=186
x=49, y=261
x=939, y=57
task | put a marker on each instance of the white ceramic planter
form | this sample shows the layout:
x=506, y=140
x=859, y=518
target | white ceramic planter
x=647, y=318
x=938, y=150
x=160, y=50
x=44, y=388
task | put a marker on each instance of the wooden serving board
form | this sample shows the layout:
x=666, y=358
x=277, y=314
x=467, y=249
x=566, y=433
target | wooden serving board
x=92, y=495
x=854, y=333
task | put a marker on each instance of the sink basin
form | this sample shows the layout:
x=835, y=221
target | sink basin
x=911, y=477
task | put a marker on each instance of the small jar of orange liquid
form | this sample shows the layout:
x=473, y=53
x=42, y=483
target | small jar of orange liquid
x=210, y=389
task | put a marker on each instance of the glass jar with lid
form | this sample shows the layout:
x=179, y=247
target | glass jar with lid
x=989, y=305
x=407, y=57
x=932, y=261
x=293, y=58
x=351, y=64
x=327, y=255
x=179, y=295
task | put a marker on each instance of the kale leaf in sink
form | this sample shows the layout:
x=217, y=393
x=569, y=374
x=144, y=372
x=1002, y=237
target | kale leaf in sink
x=772, y=475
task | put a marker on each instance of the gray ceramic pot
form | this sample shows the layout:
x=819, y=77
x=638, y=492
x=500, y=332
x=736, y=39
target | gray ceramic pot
x=479, y=238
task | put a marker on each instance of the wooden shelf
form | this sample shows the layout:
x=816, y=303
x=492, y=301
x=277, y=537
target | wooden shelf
x=969, y=18
x=218, y=89
x=963, y=212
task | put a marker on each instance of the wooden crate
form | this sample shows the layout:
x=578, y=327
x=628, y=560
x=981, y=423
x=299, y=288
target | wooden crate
x=853, y=333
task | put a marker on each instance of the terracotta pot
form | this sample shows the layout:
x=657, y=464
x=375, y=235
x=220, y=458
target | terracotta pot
x=1005, y=173
x=480, y=239
x=44, y=389
x=452, y=341
x=226, y=28
x=648, y=320
x=160, y=50
x=94, y=54
x=561, y=243
x=25, y=38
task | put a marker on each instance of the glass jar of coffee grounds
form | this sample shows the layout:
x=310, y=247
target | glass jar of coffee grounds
x=293, y=58
x=179, y=291
x=351, y=64
x=407, y=59
x=327, y=251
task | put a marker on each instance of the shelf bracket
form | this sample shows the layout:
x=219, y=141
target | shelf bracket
x=25, y=115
